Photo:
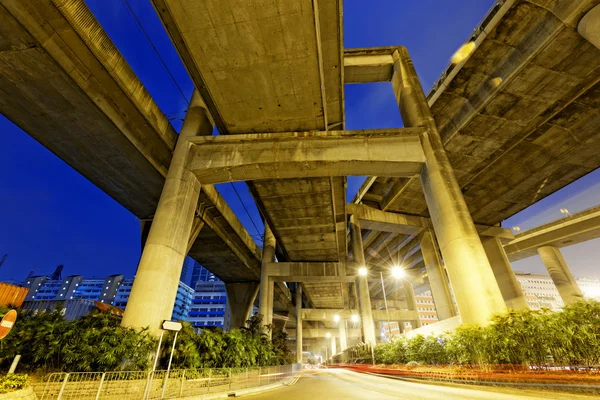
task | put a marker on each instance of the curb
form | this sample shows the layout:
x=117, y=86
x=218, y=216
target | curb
x=244, y=392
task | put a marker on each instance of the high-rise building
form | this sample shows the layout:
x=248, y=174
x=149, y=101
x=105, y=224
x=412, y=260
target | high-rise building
x=208, y=305
x=113, y=290
x=199, y=273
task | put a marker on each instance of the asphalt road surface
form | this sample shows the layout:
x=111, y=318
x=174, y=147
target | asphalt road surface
x=343, y=384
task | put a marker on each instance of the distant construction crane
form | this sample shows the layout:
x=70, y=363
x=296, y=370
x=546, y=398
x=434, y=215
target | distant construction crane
x=3, y=259
x=57, y=274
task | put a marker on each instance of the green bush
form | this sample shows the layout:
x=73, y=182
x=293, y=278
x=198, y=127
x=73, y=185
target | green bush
x=568, y=337
x=12, y=382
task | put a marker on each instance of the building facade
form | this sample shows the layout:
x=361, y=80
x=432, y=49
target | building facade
x=208, y=305
x=113, y=290
x=539, y=290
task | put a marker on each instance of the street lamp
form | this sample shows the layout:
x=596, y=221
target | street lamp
x=336, y=318
x=328, y=335
x=355, y=318
x=363, y=271
x=564, y=212
x=398, y=272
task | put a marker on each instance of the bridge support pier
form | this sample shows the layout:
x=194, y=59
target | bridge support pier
x=509, y=286
x=240, y=297
x=411, y=302
x=343, y=341
x=438, y=283
x=475, y=288
x=364, y=298
x=333, y=347
x=299, y=324
x=265, y=304
x=155, y=287
x=561, y=274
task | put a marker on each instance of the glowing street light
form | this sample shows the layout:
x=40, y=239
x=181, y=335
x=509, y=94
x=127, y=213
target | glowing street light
x=336, y=318
x=398, y=272
x=355, y=318
x=564, y=212
x=328, y=335
x=363, y=271
x=516, y=229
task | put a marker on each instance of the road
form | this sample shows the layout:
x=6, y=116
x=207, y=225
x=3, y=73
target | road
x=343, y=384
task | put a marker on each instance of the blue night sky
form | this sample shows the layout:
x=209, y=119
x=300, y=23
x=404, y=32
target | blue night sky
x=50, y=215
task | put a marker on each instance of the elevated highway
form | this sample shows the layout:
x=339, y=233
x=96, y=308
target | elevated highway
x=66, y=84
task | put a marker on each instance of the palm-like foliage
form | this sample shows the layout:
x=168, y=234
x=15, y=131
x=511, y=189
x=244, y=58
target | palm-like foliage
x=569, y=337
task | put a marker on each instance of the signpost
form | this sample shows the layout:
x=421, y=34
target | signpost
x=8, y=321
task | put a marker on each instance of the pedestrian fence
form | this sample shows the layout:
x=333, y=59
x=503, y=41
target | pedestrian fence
x=147, y=385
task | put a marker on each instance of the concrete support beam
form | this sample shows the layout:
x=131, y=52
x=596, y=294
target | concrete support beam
x=266, y=284
x=362, y=283
x=240, y=298
x=342, y=335
x=561, y=274
x=196, y=228
x=411, y=302
x=377, y=220
x=333, y=346
x=368, y=65
x=157, y=278
x=438, y=281
x=383, y=221
x=328, y=314
x=321, y=333
x=299, y=324
x=477, y=294
x=509, y=286
x=251, y=157
x=308, y=272
x=589, y=26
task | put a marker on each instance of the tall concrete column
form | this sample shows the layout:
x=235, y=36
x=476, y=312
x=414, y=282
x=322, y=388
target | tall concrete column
x=333, y=346
x=437, y=277
x=265, y=304
x=240, y=297
x=157, y=278
x=477, y=294
x=362, y=283
x=505, y=276
x=561, y=274
x=343, y=341
x=411, y=302
x=299, y=324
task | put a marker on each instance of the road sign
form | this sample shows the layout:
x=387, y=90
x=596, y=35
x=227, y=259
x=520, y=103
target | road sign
x=7, y=323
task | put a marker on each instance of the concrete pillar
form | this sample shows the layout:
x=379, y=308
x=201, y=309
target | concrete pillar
x=157, y=278
x=240, y=297
x=437, y=277
x=411, y=302
x=505, y=276
x=266, y=284
x=343, y=341
x=333, y=347
x=362, y=283
x=299, y=323
x=477, y=294
x=561, y=275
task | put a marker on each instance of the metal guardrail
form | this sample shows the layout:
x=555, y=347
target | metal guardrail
x=147, y=385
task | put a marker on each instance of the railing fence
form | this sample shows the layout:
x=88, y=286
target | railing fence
x=147, y=385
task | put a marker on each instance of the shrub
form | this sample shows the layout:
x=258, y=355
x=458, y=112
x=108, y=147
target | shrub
x=12, y=382
x=569, y=337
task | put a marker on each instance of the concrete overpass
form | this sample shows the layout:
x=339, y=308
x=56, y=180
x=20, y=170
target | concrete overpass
x=510, y=124
x=67, y=85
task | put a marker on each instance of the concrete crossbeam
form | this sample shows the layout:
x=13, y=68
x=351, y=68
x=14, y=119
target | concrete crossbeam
x=383, y=221
x=316, y=333
x=307, y=272
x=385, y=152
x=327, y=315
x=368, y=65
